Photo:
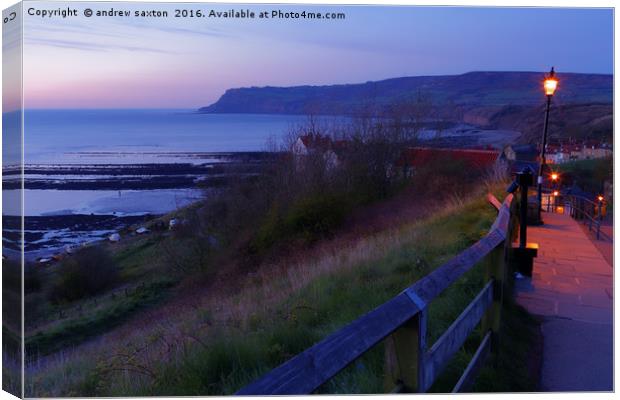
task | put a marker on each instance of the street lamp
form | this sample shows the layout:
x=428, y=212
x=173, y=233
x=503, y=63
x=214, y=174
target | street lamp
x=600, y=199
x=550, y=85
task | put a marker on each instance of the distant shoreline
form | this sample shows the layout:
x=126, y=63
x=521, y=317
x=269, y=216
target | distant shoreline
x=72, y=189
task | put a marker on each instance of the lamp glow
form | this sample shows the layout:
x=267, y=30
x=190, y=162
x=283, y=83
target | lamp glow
x=551, y=83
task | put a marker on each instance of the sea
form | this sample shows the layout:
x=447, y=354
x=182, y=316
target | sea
x=96, y=163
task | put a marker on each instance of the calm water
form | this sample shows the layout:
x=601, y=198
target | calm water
x=87, y=137
x=51, y=136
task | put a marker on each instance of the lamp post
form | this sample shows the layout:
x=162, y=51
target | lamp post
x=550, y=84
x=554, y=179
x=600, y=199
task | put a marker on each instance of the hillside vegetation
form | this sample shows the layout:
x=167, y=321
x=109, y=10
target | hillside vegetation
x=262, y=269
x=577, y=121
x=589, y=175
x=218, y=342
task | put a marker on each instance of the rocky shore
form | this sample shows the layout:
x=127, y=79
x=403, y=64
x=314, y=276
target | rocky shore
x=88, y=208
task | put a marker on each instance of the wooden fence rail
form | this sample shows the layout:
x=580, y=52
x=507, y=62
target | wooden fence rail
x=402, y=323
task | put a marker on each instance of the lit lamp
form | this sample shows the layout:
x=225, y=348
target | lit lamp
x=554, y=180
x=550, y=85
x=600, y=199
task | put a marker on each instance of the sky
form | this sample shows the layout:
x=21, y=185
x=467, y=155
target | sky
x=107, y=62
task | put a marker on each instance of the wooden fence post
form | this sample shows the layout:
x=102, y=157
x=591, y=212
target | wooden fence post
x=495, y=268
x=405, y=350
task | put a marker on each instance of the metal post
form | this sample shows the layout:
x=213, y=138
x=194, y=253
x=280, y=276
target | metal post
x=523, y=255
x=600, y=219
x=542, y=157
x=523, y=186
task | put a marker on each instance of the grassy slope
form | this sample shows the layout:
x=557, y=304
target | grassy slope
x=143, y=285
x=220, y=346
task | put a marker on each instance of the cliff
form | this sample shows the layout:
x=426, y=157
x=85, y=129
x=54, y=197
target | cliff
x=470, y=90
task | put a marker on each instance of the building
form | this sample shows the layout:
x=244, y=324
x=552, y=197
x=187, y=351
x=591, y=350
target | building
x=476, y=159
x=592, y=150
x=557, y=154
x=561, y=152
x=314, y=143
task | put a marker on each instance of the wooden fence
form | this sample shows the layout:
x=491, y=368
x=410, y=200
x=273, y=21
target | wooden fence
x=402, y=321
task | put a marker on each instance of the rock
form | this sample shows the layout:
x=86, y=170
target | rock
x=115, y=237
x=173, y=222
x=142, y=230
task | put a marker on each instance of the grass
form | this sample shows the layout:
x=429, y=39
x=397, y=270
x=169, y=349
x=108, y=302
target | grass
x=517, y=367
x=117, y=309
x=52, y=327
x=226, y=343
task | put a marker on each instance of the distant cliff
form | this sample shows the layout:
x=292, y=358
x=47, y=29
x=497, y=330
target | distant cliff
x=470, y=90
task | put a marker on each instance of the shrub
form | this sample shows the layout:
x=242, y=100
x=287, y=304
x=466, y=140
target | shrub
x=87, y=273
x=269, y=231
x=310, y=219
x=32, y=278
x=315, y=217
x=11, y=306
x=589, y=175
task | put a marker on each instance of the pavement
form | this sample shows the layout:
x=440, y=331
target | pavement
x=571, y=289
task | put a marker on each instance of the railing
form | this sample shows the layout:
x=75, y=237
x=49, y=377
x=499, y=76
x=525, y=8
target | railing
x=551, y=203
x=402, y=322
x=580, y=208
x=587, y=211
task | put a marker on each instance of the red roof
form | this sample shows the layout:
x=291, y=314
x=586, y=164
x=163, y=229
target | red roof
x=475, y=158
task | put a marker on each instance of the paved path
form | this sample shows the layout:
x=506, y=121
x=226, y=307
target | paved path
x=571, y=289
